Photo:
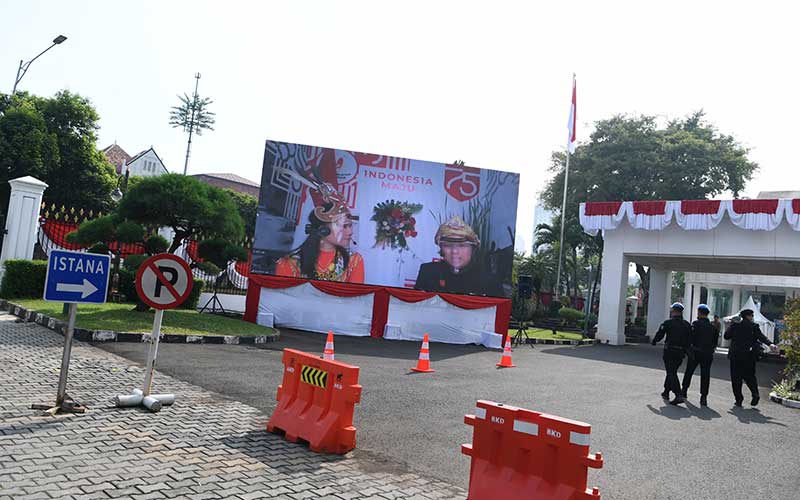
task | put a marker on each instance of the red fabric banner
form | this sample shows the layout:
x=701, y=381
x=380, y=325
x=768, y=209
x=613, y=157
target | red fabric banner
x=649, y=207
x=796, y=205
x=700, y=207
x=755, y=206
x=602, y=208
x=380, y=305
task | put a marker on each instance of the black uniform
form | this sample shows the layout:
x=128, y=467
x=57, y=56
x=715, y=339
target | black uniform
x=702, y=344
x=677, y=330
x=439, y=277
x=746, y=339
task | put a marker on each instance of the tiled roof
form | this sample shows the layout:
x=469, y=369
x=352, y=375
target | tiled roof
x=231, y=178
x=117, y=156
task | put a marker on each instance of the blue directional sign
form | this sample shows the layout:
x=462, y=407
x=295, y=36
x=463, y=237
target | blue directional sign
x=77, y=277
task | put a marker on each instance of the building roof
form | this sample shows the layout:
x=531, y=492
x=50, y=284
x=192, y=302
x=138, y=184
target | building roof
x=142, y=153
x=779, y=195
x=230, y=178
x=117, y=156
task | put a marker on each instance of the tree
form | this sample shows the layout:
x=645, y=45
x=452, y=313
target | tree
x=632, y=158
x=193, y=116
x=248, y=207
x=184, y=204
x=54, y=139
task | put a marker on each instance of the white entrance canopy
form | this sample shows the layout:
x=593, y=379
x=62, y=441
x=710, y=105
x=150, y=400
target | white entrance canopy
x=710, y=236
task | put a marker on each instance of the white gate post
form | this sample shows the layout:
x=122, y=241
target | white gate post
x=22, y=219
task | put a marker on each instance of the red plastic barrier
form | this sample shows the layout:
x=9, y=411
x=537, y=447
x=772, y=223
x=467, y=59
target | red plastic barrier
x=316, y=402
x=522, y=454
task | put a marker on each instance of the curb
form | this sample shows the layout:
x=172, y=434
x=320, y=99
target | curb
x=101, y=336
x=785, y=402
x=562, y=341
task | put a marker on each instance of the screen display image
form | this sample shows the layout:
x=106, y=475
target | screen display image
x=337, y=215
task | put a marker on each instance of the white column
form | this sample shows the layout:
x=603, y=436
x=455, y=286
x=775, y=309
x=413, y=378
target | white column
x=22, y=219
x=687, y=301
x=613, y=288
x=695, y=301
x=736, y=301
x=659, y=298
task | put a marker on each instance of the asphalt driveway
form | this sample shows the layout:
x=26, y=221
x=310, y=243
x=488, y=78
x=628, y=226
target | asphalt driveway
x=652, y=450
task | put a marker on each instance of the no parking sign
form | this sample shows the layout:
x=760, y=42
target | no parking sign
x=164, y=281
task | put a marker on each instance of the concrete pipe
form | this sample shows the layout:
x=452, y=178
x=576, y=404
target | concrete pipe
x=151, y=403
x=125, y=400
x=165, y=399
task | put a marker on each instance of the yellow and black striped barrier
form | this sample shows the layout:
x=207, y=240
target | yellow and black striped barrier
x=314, y=376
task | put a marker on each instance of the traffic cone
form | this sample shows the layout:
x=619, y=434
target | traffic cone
x=424, y=361
x=328, y=354
x=505, y=362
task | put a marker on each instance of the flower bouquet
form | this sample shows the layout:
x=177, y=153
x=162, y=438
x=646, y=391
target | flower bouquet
x=394, y=223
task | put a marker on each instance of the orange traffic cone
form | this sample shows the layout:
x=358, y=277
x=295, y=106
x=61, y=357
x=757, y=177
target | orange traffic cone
x=424, y=361
x=505, y=362
x=328, y=354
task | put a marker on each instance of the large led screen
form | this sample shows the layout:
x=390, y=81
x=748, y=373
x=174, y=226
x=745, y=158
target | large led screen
x=331, y=214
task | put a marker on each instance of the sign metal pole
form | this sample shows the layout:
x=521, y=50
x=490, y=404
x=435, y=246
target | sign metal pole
x=152, y=352
x=62, y=378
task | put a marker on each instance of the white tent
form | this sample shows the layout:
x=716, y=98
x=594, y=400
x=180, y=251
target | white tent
x=767, y=326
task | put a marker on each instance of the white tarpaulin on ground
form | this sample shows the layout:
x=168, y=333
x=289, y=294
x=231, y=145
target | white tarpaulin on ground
x=443, y=322
x=767, y=326
x=306, y=308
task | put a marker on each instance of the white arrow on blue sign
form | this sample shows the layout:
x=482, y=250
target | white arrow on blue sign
x=77, y=277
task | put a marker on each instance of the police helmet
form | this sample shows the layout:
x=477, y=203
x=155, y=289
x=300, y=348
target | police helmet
x=677, y=306
x=703, y=307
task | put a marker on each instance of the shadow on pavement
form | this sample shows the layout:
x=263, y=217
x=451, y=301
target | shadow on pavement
x=647, y=356
x=752, y=416
x=680, y=412
x=279, y=454
x=368, y=346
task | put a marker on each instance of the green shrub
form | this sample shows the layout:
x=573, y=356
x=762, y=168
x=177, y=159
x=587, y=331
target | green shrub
x=569, y=314
x=156, y=244
x=132, y=262
x=194, y=297
x=24, y=279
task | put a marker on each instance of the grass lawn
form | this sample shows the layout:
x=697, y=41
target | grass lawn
x=122, y=318
x=540, y=333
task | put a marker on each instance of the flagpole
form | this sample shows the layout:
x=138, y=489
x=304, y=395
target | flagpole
x=563, y=224
x=566, y=183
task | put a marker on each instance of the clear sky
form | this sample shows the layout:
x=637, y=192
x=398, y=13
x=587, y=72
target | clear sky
x=485, y=82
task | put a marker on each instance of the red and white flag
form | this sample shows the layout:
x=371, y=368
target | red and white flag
x=573, y=113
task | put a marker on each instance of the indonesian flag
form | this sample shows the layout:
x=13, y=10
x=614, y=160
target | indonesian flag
x=573, y=113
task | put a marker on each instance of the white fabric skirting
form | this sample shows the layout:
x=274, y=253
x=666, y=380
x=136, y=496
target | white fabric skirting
x=306, y=308
x=442, y=322
x=592, y=224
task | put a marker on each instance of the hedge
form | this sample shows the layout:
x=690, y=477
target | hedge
x=570, y=314
x=24, y=279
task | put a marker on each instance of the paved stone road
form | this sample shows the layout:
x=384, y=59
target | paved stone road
x=205, y=446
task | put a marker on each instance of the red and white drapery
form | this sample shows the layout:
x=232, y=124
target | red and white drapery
x=691, y=215
x=380, y=304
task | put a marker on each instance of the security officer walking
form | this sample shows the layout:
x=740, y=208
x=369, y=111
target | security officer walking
x=702, y=344
x=677, y=330
x=746, y=339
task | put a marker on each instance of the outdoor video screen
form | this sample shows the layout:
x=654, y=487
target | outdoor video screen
x=331, y=214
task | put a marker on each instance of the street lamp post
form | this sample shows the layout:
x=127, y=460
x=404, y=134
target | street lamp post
x=23, y=66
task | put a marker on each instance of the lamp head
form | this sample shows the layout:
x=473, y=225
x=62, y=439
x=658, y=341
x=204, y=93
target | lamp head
x=59, y=39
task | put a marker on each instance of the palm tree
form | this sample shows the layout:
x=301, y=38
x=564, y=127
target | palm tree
x=193, y=116
x=548, y=235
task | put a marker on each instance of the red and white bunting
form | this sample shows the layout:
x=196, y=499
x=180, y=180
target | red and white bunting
x=793, y=213
x=690, y=215
x=756, y=215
